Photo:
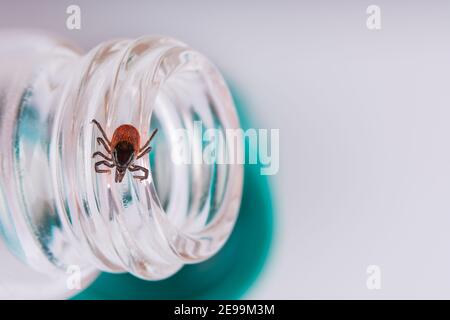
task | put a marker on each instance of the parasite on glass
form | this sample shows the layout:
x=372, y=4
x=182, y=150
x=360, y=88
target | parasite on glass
x=123, y=150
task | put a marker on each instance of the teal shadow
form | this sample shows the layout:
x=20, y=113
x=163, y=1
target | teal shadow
x=227, y=275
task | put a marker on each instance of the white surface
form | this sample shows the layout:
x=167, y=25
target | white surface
x=364, y=124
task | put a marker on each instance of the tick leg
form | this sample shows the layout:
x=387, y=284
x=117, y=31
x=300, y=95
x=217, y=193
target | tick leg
x=149, y=139
x=139, y=168
x=144, y=152
x=102, y=131
x=98, y=153
x=103, y=162
x=100, y=140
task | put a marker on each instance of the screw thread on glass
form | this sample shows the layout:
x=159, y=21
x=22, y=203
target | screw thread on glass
x=57, y=212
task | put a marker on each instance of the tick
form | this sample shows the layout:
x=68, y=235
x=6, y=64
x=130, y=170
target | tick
x=123, y=150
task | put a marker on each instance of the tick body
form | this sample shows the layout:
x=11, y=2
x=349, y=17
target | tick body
x=122, y=151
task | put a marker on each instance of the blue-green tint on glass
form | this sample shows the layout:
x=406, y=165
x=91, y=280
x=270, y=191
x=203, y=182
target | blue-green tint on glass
x=227, y=275
x=28, y=129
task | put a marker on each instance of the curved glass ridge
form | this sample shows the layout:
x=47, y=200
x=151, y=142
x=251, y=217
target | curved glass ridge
x=58, y=212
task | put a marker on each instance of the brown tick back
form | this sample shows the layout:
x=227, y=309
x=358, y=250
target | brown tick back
x=123, y=150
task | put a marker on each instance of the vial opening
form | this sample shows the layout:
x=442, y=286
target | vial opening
x=184, y=212
x=57, y=212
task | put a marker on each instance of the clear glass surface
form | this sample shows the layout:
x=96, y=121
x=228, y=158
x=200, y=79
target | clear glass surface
x=56, y=211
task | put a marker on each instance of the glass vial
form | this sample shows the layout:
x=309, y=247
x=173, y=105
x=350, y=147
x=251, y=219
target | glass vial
x=58, y=217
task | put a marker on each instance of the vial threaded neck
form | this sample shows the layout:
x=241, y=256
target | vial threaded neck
x=183, y=213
